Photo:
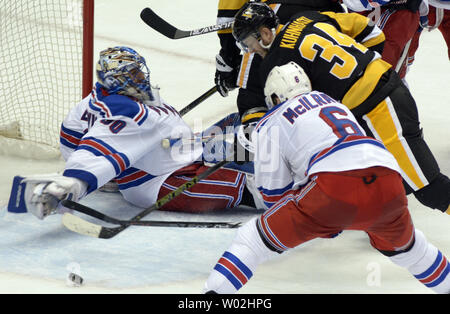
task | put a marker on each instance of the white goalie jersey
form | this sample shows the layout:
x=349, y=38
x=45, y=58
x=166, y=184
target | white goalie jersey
x=308, y=134
x=109, y=137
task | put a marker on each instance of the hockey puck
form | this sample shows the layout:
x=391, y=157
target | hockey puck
x=165, y=143
x=75, y=280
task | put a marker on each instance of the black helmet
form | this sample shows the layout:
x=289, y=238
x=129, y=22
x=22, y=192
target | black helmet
x=250, y=17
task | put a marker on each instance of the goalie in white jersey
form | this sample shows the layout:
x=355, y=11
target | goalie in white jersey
x=320, y=174
x=115, y=134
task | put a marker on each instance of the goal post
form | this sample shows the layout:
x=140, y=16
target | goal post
x=88, y=46
x=46, y=67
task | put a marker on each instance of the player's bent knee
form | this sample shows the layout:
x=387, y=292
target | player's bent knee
x=415, y=254
x=248, y=236
x=436, y=194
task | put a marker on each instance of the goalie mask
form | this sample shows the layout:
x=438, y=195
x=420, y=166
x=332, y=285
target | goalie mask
x=121, y=70
x=285, y=82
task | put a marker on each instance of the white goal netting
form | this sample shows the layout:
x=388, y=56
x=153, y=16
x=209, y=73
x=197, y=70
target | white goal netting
x=41, y=60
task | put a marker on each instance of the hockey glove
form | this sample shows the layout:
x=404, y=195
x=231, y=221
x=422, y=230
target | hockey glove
x=44, y=192
x=226, y=76
x=243, y=146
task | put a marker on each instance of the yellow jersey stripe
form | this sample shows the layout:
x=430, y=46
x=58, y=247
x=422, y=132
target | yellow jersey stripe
x=374, y=41
x=366, y=84
x=248, y=117
x=231, y=4
x=384, y=123
x=225, y=31
x=351, y=24
x=245, y=64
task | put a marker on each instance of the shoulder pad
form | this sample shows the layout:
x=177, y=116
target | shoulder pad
x=119, y=105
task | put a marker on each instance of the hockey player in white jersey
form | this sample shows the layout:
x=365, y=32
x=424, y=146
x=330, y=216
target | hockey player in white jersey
x=320, y=175
x=115, y=134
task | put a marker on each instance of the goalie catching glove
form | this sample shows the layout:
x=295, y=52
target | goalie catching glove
x=43, y=193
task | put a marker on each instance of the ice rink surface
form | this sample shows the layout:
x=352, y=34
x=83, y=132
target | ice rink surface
x=36, y=256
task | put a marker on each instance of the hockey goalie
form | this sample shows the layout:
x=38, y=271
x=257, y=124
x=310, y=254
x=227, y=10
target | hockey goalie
x=114, y=135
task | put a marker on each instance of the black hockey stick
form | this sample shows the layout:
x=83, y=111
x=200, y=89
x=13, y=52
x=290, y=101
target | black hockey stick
x=148, y=223
x=199, y=100
x=79, y=225
x=160, y=25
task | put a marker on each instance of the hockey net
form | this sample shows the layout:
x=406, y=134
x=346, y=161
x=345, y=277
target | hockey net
x=46, y=68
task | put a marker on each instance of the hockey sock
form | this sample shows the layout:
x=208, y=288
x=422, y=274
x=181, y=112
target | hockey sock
x=237, y=264
x=426, y=263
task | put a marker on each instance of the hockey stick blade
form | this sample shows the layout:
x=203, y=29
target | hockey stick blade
x=186, y=224
x=81, y=226
x=160, y=25
x=150, y=223
x=104, y=232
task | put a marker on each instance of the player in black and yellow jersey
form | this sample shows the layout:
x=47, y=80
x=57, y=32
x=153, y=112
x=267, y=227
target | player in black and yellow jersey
x=234, y=70
x=340, y=53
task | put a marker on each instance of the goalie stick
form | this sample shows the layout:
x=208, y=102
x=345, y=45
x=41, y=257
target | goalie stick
x=150, y=223
x=169, y=142
x=222, y=130
x=160, y=25
x=81, y=226
x=199, y=100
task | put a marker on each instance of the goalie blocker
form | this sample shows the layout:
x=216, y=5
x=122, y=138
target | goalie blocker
x=41, y=194
x=16, y=202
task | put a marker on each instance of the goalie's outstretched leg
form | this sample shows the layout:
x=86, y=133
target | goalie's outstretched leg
x=223, y=189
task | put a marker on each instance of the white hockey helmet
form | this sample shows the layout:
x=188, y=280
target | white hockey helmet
x=285, y=82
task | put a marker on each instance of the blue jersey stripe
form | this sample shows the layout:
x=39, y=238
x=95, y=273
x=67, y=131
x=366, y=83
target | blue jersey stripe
x=432, y=268
x=441, y=278
x=66, y=143
x=276, y=192
x=236, y=261
x=343, y=145
x=85, y=176
x=114, y=163
x=128, y=172
x=229, y=275
x=112, y=150
x=137, y=182
x=73, y=133
x=98, y=153
x=142, y=120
